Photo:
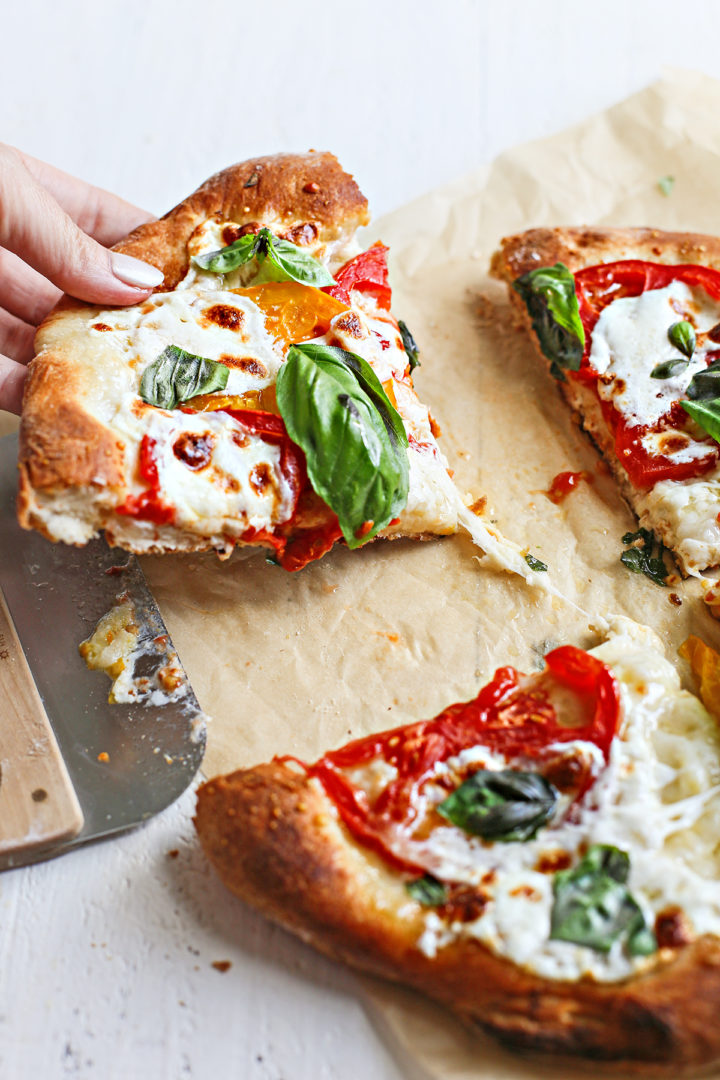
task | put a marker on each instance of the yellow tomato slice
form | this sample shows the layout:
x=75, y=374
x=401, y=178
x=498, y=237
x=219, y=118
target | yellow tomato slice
x=705, y=664
x=294, y=312
x=252, y=399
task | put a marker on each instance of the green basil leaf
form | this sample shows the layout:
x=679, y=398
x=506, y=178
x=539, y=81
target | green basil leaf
x=706, y=414
x=427, y=890
x=409, y=345
x=288, y=262
x=501, y=805
x=705, y=384
x=229, y=258
x=535, y=564
x=278, y=260
x=667, y=368
x=176, y=375
x=682, y=336
x=551, y=300
x=355, y=443
x=647, y=558
x=593, y=906
x=666, y=184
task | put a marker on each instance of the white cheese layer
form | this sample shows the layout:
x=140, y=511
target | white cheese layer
x=628, y=340
x=658, y=799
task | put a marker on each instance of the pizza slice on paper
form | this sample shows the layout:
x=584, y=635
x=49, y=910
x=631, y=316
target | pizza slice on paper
x=629, y=322
x=543, y=859
x=263, y=395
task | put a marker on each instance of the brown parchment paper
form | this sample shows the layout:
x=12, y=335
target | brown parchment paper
x=361, y=641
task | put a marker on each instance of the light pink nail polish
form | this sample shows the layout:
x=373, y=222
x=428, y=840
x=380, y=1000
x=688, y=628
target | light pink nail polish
x=135, y=272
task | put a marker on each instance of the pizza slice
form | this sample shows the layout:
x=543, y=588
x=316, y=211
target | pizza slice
x=543, y=859
x=629, y=321
x=263, y=395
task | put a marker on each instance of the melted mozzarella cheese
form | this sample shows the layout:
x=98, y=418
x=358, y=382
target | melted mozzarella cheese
x=658, y=799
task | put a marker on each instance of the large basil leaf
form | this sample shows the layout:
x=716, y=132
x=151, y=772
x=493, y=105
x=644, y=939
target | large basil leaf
x=501, y=805
x=277, y=260
x=427, y=890
x=648, y=557
x=176, y=375
x=593, y=906
x=355, y=444
x=706, y=414
x=551, y=300
x=705, y=384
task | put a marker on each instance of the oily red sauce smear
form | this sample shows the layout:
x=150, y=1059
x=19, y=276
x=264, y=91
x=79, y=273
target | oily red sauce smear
x=597, y=287
x=505, y=717
x=565, y=483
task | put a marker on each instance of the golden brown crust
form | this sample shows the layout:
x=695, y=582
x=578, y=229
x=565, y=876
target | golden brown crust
x=62, y=447
x=276, y=841
x=582, y=246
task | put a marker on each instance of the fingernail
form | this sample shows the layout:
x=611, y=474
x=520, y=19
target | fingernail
x=135, y=272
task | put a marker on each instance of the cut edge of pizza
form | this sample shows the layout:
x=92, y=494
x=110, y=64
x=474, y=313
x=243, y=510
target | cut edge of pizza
x=627, y=320
x=541, y=859
x=262, y=395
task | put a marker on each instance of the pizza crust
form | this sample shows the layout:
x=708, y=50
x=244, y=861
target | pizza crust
x=277, y=842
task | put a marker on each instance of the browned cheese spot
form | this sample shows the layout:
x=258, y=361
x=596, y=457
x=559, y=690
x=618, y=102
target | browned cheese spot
x=464, y=903
x=672, y=929
x=302, y=234
x=552, y=861
x=224, y=315
x=350, y=325
x=261, y=477
x=193, y=449
x=245, y=363
x=101, y=326
x=671, y=442
x=231, y=233
x=240, y=439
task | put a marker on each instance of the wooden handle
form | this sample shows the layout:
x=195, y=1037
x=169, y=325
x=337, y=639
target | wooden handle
x=38, y=807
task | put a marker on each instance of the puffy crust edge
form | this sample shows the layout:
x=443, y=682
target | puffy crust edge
x=276, y=841
x=61, y=445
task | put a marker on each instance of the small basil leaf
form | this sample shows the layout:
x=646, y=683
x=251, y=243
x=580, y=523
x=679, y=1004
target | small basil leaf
x=682, y=336
x=229, y=258
x=706, y=414
x=551, y=300
x=647, y=558
x=176, y=375
x=427, y=890
x=593, y=906
x=355, y=443
x=705, y=384
x=409, y=345
x=501, y=805
x=668, y=368
x=535, y=564
x=666, y=184
x=288, y=262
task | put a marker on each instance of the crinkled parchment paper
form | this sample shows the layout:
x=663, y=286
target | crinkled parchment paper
x=361, y=641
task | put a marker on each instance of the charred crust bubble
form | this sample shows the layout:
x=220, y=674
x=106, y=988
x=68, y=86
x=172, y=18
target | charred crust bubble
x=303, y=234
x=193, y=449
x=224, y=315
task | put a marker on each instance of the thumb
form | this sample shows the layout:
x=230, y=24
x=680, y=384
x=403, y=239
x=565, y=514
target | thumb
x=35, y=227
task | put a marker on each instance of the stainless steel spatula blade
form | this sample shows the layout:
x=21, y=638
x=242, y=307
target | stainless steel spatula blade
x=124, y=762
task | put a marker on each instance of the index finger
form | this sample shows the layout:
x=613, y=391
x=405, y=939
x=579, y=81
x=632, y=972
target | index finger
x=104, y=216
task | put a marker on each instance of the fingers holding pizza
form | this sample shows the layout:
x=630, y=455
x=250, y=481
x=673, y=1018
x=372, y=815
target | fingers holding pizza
x=52, y=231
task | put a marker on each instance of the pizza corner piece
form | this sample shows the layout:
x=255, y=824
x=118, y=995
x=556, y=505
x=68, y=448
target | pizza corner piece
x=542, y=859
x=262, y=395
x=628, y=321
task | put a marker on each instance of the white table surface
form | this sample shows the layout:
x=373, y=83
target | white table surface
x=106, y=954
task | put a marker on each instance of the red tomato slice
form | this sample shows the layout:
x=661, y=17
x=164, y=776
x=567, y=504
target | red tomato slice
x=513, y=715
x=148, y=505
x=598, y=286
x=368, y=273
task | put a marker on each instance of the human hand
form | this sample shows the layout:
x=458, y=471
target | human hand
x=52, y=231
